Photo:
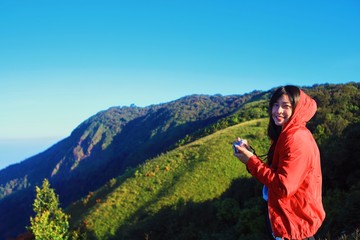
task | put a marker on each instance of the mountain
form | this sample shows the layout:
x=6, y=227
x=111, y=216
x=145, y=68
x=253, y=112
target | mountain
x=199, y=191
x=167, y=171
x=147, y=199
x=103, y=147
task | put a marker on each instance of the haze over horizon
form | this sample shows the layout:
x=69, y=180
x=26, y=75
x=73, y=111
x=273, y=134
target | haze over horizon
x=62, y=62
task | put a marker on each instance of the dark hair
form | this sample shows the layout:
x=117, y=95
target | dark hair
x=293, y=93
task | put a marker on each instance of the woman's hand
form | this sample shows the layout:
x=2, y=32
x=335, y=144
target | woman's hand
x=243, y=153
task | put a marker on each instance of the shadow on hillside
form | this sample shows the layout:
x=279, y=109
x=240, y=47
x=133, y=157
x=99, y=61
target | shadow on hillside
x=237, y=213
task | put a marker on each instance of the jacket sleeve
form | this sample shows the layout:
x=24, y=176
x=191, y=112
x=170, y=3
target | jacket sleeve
x=292, y=168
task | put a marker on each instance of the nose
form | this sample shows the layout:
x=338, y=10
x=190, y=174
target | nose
x=279, y=109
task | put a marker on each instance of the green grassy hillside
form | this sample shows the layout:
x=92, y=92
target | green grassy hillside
x=103, y=147
x=199, y=190
x=196, y=173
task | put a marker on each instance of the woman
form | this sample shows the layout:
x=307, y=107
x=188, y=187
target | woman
x=292, y=176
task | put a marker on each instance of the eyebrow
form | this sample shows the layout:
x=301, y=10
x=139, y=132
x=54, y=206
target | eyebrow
x=283, y=102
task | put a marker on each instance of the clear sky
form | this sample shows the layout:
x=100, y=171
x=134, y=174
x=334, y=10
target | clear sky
x=63, y=61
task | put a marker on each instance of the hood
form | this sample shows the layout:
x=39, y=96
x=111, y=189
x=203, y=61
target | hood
x=304, y=111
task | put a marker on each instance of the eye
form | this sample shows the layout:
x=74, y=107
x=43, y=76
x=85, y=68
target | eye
x=286, y=106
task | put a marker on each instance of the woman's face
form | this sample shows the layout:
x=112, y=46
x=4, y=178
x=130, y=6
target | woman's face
x=282, y=110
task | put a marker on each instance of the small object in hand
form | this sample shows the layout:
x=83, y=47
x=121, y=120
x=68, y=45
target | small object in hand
x=239, y=142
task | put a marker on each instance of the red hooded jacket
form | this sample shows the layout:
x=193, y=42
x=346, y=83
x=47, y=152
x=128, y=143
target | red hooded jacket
x=294, y=179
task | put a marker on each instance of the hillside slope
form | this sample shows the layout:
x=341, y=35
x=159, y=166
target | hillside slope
x=114, y=142
x=194, y=200
x=199, y=172
x=103, y=147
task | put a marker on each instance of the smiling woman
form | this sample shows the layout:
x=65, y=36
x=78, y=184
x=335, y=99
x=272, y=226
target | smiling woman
x=292, y=176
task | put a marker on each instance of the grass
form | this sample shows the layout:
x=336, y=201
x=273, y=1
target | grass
x=197, y=172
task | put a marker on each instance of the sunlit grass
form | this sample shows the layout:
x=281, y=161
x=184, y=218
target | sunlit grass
x=197, y=172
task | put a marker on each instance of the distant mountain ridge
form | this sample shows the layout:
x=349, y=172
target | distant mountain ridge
x=104, y=146
x=122, y=154
x=199, y=191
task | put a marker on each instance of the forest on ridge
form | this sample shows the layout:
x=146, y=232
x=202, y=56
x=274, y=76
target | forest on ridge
x=183, y=181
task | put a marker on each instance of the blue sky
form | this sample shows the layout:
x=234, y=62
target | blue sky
x=63, y=61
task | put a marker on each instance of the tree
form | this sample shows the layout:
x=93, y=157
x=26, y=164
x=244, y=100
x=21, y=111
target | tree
x=50, y=222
